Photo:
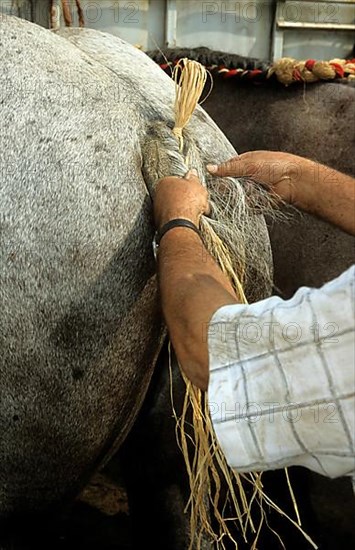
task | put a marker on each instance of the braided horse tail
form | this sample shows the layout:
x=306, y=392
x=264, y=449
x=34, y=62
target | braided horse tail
x=286, y=70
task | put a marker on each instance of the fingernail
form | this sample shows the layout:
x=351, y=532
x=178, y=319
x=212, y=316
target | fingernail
x=192, y=172
x=212, y=168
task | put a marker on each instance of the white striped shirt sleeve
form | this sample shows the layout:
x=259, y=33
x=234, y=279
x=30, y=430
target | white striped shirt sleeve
x=282, y=381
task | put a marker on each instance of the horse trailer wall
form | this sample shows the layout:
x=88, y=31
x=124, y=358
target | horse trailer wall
x=263, y=29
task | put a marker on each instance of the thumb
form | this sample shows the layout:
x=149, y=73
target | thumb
x=233, y=167
x=191, y=174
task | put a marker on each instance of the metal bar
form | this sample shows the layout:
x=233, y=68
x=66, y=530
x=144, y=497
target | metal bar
x=277, y=35
x=278, y=45
x=170, y=23
x=328, y=1
x=320, y=26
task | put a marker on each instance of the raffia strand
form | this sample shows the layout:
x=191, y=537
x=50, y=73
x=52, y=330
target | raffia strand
x=207, y=468
x=190, y=79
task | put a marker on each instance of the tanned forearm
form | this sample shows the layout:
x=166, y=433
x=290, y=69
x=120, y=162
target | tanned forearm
x=192, y=289
x=328, y=194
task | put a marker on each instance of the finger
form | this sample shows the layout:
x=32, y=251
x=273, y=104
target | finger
x=233, y=167
x=168, y=181
x=207, y=210
x=191, y=174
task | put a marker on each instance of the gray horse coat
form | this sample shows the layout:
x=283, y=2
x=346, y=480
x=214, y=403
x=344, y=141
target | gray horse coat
x=80, y=326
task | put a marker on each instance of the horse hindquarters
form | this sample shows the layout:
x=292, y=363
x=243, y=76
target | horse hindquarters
x=80, y=324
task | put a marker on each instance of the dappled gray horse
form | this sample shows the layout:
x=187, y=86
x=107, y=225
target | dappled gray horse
x=80, y=325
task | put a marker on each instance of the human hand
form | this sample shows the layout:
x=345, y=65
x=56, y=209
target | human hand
x=280, y=173
x=180, y=198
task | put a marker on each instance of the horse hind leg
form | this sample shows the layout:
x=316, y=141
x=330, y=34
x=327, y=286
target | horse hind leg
x=154, y=469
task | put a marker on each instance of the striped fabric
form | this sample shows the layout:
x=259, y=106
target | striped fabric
x=282, y=380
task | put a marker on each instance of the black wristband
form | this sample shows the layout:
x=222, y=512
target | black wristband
x=178, y=222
